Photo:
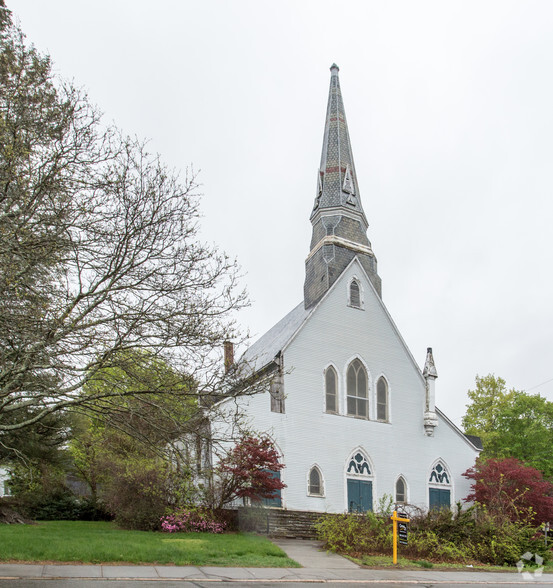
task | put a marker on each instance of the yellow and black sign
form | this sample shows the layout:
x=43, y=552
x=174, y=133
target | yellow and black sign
x=400, y=530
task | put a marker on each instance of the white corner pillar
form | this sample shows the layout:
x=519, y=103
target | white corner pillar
x=430, y=374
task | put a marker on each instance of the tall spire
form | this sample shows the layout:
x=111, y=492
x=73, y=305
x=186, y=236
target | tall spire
x=338, y=219
x=337, y=177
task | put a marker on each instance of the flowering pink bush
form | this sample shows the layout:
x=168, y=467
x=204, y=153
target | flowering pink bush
x=191, y=521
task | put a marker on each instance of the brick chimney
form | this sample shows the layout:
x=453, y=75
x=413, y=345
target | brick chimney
x=229, y=355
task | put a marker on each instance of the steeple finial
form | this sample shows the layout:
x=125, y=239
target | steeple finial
x=339, y=223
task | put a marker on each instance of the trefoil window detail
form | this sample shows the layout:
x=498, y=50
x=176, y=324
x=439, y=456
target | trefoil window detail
x=439, y=474
x=357, y=395
x=358, y=464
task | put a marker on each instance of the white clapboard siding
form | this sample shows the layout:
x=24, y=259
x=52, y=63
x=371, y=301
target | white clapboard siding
x=334, y=334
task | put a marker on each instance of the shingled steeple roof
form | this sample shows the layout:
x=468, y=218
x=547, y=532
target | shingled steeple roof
x=339, y=223
x=337, y=181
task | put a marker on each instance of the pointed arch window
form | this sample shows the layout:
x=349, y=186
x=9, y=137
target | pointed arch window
x=382, y=399
x=401, y=491
x=439, y=474
x=315, y=484
x=358, y=464
x=355, y=294
x=357, y=390
x=331, y=397
x=439, y=491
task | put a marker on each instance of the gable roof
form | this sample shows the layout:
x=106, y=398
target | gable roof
x=266, y=348
x=476, y=441
x=264, y=351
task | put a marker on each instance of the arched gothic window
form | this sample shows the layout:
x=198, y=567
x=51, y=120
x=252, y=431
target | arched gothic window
x=331, y=397
x=439, y=491
x=382, y=400
x=315, y=486
x=355, y=294
x=439, y=474
x=358, y=464
x=357, y=390
x=401, y=491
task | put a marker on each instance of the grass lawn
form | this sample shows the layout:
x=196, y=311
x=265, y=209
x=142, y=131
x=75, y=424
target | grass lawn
x=382, y=561
x=101, y=542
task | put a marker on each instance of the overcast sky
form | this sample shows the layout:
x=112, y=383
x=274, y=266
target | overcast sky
x=450, y=113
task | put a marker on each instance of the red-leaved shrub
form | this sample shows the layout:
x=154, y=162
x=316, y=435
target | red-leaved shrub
x=509, y=488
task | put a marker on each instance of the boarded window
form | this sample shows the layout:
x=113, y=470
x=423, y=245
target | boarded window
x=277, y=396
x=331, y=379
x=382, y=400
x=357, y=390
x=354, y=294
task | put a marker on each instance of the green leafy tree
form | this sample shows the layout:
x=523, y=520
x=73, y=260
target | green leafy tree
x=487, y=400
x=524, y=430
x=99, y=254
x=511, y=423
x=139, y=453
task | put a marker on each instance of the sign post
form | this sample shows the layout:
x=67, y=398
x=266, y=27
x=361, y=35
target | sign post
x=402, y=520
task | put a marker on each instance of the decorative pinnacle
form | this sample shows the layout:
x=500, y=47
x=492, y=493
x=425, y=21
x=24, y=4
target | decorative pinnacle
x=429, y=370
x=334, y=66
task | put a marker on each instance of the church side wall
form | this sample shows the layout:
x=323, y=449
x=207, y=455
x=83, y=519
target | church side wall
x=307, y=436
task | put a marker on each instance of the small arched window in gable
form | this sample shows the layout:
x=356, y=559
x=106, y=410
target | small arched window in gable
x=358, y=464
x=315, y=485
x=357, y=390
x=439, y=474
x=382, y=400
x=355, y=294
x=331, y=398
x=401, y=491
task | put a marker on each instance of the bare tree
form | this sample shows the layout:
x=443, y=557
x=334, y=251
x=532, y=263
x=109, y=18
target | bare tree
x=99, y=252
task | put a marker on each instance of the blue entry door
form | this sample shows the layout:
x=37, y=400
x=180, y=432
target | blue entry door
x=439, y=498
x=360, y=495
x=276, y=499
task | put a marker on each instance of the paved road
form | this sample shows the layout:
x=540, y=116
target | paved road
x=319, y=567
x=107, y=583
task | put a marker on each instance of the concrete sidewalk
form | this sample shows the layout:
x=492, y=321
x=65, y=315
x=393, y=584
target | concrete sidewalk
x=319, y=566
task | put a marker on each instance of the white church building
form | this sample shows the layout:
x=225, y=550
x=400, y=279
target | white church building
x=350, y=411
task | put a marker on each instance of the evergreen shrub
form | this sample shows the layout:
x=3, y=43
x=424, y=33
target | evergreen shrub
x=64, y=506
x=41, y=493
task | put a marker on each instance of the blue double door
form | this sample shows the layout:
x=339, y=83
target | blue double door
x=360, y=495
x=439, y=498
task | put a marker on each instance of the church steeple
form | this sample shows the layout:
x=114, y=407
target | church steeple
x=338, y=219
